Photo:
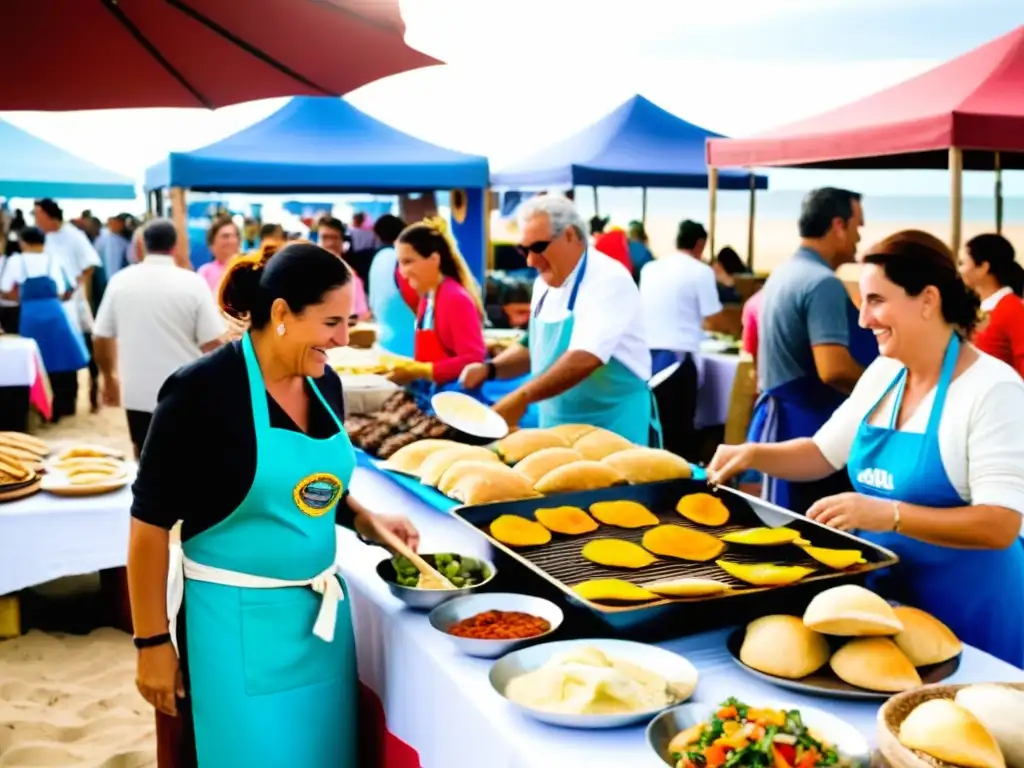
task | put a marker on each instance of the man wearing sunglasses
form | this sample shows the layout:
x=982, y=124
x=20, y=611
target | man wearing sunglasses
x=587, y=356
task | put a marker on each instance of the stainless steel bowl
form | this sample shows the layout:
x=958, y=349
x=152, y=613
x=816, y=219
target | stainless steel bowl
x=841, y=735
x=675, y=669
x=459, y=608
x=428, y=599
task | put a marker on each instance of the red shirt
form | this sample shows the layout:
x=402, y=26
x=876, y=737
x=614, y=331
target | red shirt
x=459, y=328
x=616, y=245
x=1001, y=333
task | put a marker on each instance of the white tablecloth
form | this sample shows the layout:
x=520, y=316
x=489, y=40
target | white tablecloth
x=17, y=361
x=45, y=537
x=719, y=371
x=440, y=702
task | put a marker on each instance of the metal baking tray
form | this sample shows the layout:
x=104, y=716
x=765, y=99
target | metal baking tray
x=561, y=564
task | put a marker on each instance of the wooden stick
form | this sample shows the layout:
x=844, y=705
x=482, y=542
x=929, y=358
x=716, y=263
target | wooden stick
x=401, y=548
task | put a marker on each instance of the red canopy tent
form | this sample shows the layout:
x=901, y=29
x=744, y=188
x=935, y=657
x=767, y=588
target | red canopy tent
x=113, y=54
x=966, y=113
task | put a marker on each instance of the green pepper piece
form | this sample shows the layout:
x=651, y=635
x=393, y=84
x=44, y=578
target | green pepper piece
x=451, y=570
x=458, y=581
x=470, y=564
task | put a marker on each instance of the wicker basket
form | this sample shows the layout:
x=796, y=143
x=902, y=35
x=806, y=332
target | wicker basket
x=892, y=714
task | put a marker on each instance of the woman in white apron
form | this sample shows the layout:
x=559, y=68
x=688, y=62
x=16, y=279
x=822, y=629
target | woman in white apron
x=247, y=450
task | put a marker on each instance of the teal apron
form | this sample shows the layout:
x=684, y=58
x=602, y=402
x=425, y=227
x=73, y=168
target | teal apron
x=265, y=690
x=612, y=397
x=975, y=592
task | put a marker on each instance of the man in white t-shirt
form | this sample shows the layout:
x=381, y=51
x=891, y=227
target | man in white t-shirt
x=155, y=318
x=587, y=354
x=679, y=294
x=79, y=259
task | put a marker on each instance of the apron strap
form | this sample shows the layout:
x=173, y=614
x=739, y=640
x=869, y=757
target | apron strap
x=659, y=437
x=325, y=404
x=257, y=389
x=942, y=388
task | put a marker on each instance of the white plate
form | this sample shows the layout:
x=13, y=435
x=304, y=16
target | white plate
x=490, y=426
x=59, y=486
x=671, y=666
x=829, y=728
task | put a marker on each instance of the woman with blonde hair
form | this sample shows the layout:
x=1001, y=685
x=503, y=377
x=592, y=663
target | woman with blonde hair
x=449, y=320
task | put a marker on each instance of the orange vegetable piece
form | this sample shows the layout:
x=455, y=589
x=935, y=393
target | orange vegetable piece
x=715, y=756
x=517, y=531
x=572, y=521
x=623, y=514
x=682, y=543
x=703, y=509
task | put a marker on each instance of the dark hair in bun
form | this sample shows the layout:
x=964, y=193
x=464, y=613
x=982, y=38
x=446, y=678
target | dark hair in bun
x=300, y=273
x=913, y=260
x=997, y=252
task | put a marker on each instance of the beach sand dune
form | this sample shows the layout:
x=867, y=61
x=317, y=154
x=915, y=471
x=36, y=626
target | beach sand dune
x=70, y=701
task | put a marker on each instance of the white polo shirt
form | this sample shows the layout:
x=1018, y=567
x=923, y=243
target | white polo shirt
x=77, y=255
x=678, y=292
x=607, y=320
x=160, y=315
x=981, y=434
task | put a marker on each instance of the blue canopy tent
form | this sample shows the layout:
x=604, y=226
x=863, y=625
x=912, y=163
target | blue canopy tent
x=638, y=144
x=322, y=145
x=33, y=168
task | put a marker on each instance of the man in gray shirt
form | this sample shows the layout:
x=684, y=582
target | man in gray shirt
x=811, y=351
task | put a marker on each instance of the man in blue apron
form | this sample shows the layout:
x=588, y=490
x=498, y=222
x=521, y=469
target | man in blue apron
x=395, y=317
x=811, y=351
x=588, y=359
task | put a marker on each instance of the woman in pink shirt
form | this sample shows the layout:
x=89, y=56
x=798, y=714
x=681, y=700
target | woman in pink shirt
x=223, y=239
x=449, y=321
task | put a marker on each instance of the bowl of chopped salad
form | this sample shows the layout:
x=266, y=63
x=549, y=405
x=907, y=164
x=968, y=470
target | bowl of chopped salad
x=736, y=735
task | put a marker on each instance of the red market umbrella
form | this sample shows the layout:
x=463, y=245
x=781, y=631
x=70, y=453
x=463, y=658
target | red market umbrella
x=113, y=54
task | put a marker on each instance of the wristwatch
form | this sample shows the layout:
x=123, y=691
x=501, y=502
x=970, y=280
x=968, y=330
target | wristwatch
x=152, y=642
x=492, y=370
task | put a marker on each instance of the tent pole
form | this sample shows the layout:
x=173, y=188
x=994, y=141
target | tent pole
x=597, y=210
x=643, y=206
x=180, y=218
x=713, y=207
x=956, y=177
x=999, y=193
x=488, y=247
x=751, y=215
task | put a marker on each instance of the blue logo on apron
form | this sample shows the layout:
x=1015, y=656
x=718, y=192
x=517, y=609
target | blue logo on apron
x=317, y=494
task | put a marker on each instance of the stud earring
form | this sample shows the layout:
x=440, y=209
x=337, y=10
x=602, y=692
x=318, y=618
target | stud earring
x=280, y=329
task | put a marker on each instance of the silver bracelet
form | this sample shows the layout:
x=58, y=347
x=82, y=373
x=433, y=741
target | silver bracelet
x=896, y=517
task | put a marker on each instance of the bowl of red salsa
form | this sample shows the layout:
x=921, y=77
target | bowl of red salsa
x=489, y=625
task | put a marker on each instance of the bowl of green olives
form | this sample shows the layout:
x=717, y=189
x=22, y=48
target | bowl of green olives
x=468, y=574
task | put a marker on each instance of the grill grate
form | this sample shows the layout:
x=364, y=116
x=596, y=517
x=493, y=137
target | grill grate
x=561, y=560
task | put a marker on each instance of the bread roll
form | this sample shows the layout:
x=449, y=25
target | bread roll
x=784, y=647
x=924, y=639
x=409, y=458
x=948, y=732
x=648, y=465
x=851, y=611
x=579, y=476
x=436, y=464
x=460, y=469
x=1000, y=709
x=600, y=443
x=496, y=483
x=571, y=432
x=875, y=663
x=538, y=464
x=521, y=443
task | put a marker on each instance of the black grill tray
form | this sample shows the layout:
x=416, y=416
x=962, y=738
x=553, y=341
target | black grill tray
x=561, y=565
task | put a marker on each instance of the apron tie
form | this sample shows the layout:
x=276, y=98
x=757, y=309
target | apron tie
x=325, y=584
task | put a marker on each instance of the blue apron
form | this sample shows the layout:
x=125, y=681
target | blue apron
x=976, y=592
x=799, y=408
x=44, y=319
x=396, y=323
x=612, y=397
x=266, y=692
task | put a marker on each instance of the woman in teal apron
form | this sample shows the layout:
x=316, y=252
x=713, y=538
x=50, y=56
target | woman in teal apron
x=43, y=316
x=254, y=604
x=612, y=397
x=967, y=589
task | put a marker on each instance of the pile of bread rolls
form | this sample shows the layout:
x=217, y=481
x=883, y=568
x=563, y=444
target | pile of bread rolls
x=530, y=463
x=883, y=646
x=982, y=726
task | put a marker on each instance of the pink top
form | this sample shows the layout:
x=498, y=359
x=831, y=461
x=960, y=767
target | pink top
x=750, y=317
x=360, y=307
x=212, y=272
x=459, y=329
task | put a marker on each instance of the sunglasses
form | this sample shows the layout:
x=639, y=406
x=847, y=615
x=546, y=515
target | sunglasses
x=537, y=247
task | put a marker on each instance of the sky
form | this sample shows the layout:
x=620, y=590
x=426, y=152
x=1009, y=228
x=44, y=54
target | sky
x=521, y=74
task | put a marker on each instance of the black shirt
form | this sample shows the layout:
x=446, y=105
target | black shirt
x=199, y=460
